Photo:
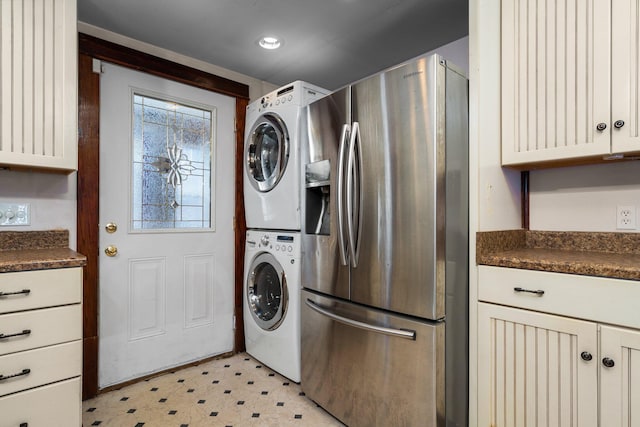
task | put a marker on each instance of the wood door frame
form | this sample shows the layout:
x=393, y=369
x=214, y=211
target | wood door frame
x=89, y=175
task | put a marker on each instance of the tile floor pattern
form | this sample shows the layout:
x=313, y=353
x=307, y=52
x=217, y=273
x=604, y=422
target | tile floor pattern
x=237, y=391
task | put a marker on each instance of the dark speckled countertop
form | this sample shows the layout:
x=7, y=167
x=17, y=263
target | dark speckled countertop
x=37, y=250
x=614, y=255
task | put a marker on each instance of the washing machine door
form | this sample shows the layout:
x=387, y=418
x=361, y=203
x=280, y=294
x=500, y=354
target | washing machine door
x=267, y=293
x=267, y=152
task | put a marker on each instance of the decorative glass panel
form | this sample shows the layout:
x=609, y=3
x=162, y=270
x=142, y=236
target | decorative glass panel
x=172, y=158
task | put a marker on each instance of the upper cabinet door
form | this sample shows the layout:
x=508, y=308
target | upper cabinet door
x=555, y=79
x=38, y=84
x=625, y=73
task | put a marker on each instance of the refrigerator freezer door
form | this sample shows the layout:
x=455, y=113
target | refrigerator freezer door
x=369, y=368
x=325, y=134
x=401, y=247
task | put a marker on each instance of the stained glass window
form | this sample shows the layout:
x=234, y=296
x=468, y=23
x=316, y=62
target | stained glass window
x=172, y=158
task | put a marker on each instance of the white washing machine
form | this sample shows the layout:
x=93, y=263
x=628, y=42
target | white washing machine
x=272, y=300
x=272, y=162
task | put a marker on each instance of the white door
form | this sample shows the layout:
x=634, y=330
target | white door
x=167, y=184
x=532, y=371
x=619, y=377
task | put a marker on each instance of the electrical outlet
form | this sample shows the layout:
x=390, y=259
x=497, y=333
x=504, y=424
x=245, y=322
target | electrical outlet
x=15, y=214
x=626, y=218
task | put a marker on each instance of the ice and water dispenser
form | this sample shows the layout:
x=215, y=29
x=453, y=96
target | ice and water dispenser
x=318, y=192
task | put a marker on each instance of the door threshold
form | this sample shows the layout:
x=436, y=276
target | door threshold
x=164, y=371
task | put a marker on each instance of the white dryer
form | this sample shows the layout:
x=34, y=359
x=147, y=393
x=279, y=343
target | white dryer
x=271, y=157
x=272, y=300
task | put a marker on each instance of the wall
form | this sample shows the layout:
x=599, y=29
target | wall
x=52, y=198
x=457, y=52
x=583, y=198
x=257, y=88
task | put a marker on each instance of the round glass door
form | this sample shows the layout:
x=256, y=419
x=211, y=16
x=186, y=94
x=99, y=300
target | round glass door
x=267, y=152
x=267, y=291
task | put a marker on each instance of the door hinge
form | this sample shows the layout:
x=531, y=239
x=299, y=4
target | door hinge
x=234, y=322
x=96, y=66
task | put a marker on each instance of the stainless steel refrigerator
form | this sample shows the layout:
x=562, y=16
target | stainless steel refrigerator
x=385, y=248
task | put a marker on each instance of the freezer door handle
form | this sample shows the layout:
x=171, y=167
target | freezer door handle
x=344, y=136
x=400, y=333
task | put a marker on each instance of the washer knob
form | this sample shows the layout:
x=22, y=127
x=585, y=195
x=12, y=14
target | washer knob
x=264, y=240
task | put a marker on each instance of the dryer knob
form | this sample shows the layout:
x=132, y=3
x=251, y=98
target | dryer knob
x=264, y=240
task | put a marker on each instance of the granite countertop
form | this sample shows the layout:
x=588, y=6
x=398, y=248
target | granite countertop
x=37, y=250
x=614, y=255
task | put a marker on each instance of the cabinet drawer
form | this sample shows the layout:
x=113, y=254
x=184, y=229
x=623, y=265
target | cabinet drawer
x=586, y=297
x=55, y=405
x=45, y=365
x=40, y=288
x=38, y=328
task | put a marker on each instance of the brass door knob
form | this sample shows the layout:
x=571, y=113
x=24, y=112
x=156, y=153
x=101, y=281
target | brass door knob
x=111, y=251
x=111, y=227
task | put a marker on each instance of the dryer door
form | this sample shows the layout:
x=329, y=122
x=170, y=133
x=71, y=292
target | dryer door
x=267, y=293
x=267, y=152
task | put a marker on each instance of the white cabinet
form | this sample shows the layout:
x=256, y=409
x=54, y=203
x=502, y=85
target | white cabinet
x=530, y=371
x=570, y=80
x=619, y=377
x=41, y=347
x=38, y=84
x=548, y=355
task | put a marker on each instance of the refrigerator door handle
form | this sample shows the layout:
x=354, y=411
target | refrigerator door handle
x=400, y=333
x=353, y=203
x=344, y=136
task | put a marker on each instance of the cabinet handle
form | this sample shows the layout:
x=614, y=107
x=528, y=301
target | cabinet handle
x=618, y=124
x=607, y=362
x=17, y=334
x=22, y=292
x=601, y=126
x=538, y=292
x=586, y=356
x=24, y=425
x=19, y=374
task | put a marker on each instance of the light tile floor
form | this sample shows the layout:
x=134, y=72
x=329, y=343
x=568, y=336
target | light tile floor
x=237, y=391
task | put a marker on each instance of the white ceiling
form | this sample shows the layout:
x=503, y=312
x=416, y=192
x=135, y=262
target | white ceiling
x=326, y=42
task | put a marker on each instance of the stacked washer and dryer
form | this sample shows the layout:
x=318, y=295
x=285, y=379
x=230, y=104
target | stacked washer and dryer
x=272, y=185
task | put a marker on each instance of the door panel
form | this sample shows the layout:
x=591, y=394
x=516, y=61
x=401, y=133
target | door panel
x=625, y=76
x=164, y=301
x=323, y=128
x=367, y=378
x=619, y=394
x=531, y=371
x=401, y=224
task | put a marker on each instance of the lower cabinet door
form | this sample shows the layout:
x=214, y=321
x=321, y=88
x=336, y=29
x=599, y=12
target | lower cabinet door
x=619, y=377
x=54, y=405
x=536, y=369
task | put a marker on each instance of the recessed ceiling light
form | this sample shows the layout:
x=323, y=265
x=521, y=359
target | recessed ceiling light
x=269, y=42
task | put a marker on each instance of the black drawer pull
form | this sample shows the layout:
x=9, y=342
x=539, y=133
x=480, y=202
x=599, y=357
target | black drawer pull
x=19, y=374
x=17, y=334
x=24, y=425
x=538, y=292
x=22, y=292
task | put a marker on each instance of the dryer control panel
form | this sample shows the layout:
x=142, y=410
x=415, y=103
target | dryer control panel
x=276, y=242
